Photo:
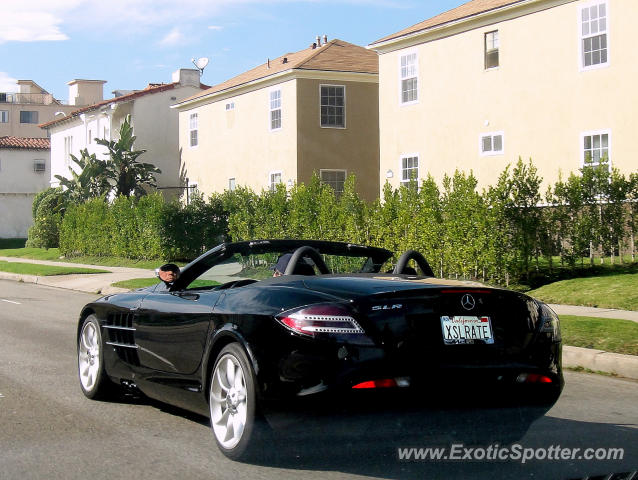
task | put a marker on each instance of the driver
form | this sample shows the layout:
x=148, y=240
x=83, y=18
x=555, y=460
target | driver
x=302, y=268
x=168, y=274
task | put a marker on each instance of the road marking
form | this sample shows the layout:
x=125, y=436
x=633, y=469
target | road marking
x=10, y=301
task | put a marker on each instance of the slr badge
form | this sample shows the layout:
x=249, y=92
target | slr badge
x=468, y=302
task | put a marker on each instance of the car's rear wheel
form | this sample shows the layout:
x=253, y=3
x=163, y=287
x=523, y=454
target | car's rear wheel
x=94, y=381
x=233, y=404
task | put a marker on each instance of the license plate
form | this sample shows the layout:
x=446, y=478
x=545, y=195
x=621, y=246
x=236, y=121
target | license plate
x=464, y=329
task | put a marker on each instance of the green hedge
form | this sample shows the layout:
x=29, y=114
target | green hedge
x=145, y=228
x=499, y=234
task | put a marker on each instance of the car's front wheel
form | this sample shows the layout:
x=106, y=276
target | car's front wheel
x=94, y=381
x=233, y=408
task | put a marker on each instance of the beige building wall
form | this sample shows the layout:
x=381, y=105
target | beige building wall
x=19, y=182
x=238, y=143
x=354, y=148
x=538, y=97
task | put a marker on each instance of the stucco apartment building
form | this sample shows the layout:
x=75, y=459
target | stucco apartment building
x=24, y=171
x=480, y=85
x=154, y=125
x=23, y=111
x=315, y=110
x=25, y=165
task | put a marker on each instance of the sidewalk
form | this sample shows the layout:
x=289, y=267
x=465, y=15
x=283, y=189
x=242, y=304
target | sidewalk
x=87, y=282
x=100, y=283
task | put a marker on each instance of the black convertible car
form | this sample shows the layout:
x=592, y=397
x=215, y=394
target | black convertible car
x=228, y=335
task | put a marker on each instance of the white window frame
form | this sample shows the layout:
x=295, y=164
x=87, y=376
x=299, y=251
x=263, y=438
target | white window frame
x=68, y=150
x=582, y=36
x=496, y=49
x=344, y=106
x=272, y=185
x=333, y=170
x=593, y=133
x=4, y=116
x=274, y=105
x=230, y=106
x=193, y=127
x=417, y=179
x=232, y=184
x=491, y=152
x=403, y=77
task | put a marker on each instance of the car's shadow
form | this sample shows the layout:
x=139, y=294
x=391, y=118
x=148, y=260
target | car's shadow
x=362, y=437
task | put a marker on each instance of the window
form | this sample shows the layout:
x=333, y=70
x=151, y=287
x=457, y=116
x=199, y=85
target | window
x=595, y=148
x=275, y=178
x=333, y=106
x=409, y=169
x=193, y=129
x=491, y=49
x=39, y=166
x=492, y=143
x=4, y=116
x=28, y=116
x=593, y=20
x=333, y=178
x=231, y=184
x=275, y=109
x=68, y=150
x=409, y=78
x=230, y=106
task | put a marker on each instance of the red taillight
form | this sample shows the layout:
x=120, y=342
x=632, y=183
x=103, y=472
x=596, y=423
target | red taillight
x=533, y=378
x=385, y=383
x=325, y=318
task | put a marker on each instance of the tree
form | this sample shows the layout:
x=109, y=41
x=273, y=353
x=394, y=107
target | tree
x=128, y=174
x=91, y=182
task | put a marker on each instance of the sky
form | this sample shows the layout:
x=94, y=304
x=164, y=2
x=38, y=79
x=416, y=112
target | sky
x=131, y=43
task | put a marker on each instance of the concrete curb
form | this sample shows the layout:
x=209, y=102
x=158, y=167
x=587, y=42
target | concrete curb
x=601, y=361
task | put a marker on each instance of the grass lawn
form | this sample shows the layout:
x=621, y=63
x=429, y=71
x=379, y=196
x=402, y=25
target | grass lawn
x=54, y=254
x=147, y=282
x=610, y=335
x=43, y=270
x=608, y=291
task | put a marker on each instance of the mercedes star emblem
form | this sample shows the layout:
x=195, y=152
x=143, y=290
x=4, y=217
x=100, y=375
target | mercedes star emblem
x=467, y=302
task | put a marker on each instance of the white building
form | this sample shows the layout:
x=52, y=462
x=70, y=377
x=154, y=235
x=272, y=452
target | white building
x=24, y=171
x=155, y=126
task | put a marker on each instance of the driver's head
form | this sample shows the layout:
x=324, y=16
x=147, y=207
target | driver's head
x=168, y=273
x=282, y=263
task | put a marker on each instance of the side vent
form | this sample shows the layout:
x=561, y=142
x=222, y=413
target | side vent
x=121, y=336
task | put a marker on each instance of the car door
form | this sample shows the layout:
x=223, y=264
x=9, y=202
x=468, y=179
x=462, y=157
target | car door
x=172, y=329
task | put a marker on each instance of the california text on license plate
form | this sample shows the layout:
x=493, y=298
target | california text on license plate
x=462, y=329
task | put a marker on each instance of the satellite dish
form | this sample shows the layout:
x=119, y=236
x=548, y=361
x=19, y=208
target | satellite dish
x=200, y=63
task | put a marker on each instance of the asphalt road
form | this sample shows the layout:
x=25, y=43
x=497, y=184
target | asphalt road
x=49, y=430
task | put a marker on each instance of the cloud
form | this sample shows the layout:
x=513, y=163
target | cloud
x=23, y=26
x=46, y=20
x=7, y=83
x=173, y=38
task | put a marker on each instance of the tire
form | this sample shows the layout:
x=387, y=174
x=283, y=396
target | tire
x=94, y=381
x=235, y=423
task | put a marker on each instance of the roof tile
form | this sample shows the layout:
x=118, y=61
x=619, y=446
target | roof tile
x=336, y=55
x=25, y=143
x=469, y=9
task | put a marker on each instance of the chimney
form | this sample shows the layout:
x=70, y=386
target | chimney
x=85, y=92
x=285, y=60
x=318, y=41
x=325, y=39
x=186, y=77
